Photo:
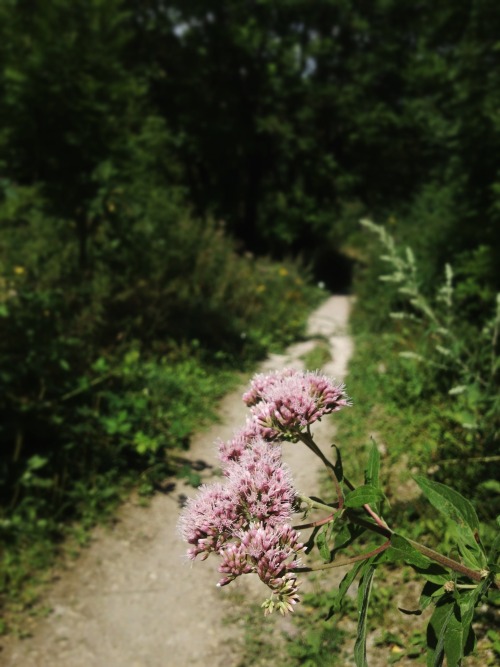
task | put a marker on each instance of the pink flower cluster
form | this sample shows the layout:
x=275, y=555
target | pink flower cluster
x=286, y=402
x=246, y=520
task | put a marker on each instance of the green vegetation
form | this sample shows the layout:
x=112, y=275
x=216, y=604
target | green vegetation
x=318, y=356
x=124, y=312
x=425, y=390
x=167, y=170
x=97, y=389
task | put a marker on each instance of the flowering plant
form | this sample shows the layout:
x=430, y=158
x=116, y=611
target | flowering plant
x=247, y=519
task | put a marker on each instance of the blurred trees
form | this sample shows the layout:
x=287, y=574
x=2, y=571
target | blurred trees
x=69, y=100
x=279, y=114
x=288, y=113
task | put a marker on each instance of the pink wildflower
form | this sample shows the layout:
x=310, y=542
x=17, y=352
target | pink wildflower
x=234, y=562
x=262, y=383
x=246, y=519
x=233, y=449
x=286, y=402
x=208, y=520
x=261, y=485
x=270, y=552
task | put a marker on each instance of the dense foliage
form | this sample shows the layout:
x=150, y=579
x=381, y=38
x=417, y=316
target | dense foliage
x=290, y=112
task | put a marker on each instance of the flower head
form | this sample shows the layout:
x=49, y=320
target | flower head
x=232, y=450
x=286, y=402
x=262, y=383
x=246, y=519
x=261, y=485
x=208, y=521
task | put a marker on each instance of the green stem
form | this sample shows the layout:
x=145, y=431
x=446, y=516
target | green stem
x=345, y=561
x=450, y=563
x=316, y=524
x=430, y=553
x=379, y=527
x=375, y=528
x=316, y=504
x=307, y=439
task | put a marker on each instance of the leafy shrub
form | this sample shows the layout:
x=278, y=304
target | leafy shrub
x=107, y=366
x=446, y=369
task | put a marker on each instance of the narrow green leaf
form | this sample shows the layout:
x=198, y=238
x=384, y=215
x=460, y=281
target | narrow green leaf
x=338, y=468
x=364, y=591
x=471, y=552
x=453, y=638
x=363, y=495
x=430, y=591
x=468, y=602
x=450, y=632
x=346, y=536
x=322, y=540
x=372, y=474
x=434, y=573
x=436, y=631
x=344, y=586
x=459, y=637
x=463, y=519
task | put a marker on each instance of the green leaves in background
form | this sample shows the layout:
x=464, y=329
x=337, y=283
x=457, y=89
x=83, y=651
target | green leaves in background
x=495, y=547
x=372, y=473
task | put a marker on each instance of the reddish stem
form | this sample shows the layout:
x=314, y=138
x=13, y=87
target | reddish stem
x=315, y=524
x=345, y=561
x=378, y=520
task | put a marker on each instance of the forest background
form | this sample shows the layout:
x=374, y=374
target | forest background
x=176, y=177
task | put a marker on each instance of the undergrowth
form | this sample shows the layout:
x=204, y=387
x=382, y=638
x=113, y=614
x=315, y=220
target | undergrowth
x=425, y=390
x=108, y=367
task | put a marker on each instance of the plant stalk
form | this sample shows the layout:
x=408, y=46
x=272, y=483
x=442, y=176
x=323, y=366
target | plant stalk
x=345, y=561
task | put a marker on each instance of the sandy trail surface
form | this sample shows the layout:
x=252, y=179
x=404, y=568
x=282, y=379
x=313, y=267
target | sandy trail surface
x=132, y=599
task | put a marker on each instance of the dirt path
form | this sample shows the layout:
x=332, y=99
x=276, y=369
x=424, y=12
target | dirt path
x=131, y=599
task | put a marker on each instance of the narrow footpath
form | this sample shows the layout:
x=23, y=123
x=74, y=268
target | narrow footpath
x=132, y=599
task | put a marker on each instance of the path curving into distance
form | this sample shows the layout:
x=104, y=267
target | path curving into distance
x=132, y=599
